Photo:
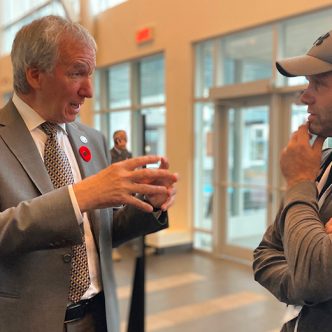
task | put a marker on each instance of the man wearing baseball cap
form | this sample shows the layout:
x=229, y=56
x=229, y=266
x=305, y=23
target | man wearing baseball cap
x=294, y=259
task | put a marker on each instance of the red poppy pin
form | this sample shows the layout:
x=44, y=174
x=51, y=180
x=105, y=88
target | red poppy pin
x=85, y=153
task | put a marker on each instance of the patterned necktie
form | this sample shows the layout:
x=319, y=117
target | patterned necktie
x=59, y=170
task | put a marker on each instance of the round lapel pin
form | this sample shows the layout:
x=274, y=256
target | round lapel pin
x=83, y=139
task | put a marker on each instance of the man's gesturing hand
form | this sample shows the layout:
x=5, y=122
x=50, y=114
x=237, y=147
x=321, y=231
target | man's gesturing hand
x=162, y=200
x=116, y=184
x=299, y=160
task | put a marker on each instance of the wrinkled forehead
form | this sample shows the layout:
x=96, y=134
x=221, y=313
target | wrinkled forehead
x=71, y=48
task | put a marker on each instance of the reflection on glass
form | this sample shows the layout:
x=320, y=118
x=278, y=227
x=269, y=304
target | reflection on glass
x=14, y=10
x=299, y=116
x=204, y=68
x=154, y=130
x=204, y=120
x=248, y=145
x=151, y=74
x=97, y=90
x=248, y=167
x=99, y=6
x=97, y=121
x=119, y=85
x=246, y=56
x=203, y=241
x=247, y=216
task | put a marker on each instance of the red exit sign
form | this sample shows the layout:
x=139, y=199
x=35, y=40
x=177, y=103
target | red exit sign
x=144, y=35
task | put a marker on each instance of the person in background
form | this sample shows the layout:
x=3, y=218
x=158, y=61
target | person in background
x=119, y=151
x=294, y=259
x=57, y=190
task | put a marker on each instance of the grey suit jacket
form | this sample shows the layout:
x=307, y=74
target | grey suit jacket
x=38, y=227
x=294, y=259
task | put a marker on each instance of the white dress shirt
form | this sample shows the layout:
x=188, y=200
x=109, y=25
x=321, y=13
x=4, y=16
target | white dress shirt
x=33, y=120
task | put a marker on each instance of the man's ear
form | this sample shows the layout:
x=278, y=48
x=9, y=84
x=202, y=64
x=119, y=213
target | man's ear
x=33, y=77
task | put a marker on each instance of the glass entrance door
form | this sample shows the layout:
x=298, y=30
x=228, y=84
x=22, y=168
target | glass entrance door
x=243, y=181
x=250, y=132
x=248, y=164
x=247, y=175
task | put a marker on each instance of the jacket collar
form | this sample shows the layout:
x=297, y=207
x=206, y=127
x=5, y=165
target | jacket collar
x=24, y=148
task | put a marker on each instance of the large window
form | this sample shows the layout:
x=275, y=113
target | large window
x=15, y=14
x=119, y=86
x=131, y=96
x=205, y=68
x=246, y=57
x=231, y=62
x=101, y=5
x=297, y=38
x=154, y=128
x=204, y=162
x=247, y=174
x=237, y=58
x=151, y=81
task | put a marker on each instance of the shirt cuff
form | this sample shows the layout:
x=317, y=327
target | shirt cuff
x=79, y=216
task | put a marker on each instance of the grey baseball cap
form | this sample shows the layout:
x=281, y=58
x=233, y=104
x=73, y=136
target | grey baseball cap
x=316, y=61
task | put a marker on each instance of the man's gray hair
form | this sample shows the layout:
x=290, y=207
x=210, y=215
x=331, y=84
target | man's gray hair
x=36, y=45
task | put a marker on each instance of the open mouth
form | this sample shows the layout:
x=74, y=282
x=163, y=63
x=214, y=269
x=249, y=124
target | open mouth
x=76, y=106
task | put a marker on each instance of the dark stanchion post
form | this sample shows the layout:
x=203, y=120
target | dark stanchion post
x=136, y=321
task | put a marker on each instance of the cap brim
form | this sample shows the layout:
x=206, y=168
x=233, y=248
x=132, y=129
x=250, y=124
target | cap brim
x=302, y=66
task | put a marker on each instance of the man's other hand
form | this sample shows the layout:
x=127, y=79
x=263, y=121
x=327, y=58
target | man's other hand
x=118, y=183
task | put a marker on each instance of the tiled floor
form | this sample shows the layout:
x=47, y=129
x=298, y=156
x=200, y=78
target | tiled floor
x=192, y=292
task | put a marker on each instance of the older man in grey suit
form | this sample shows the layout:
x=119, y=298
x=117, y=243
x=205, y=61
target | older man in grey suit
x=57, y=189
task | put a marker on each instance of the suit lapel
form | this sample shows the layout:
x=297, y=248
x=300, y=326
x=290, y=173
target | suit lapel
x=26, y=152
x=79, y=138
x=23, y=147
